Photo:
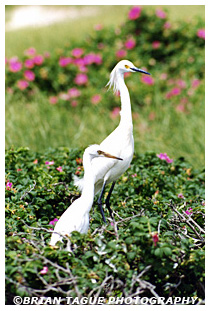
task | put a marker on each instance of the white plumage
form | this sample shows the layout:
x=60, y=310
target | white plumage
x=76, y=217
x=120, y=142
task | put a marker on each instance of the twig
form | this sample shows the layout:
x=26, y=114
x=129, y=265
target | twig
x=129, y=218
x=159, y=226
x=187, y=221
x=27, y=192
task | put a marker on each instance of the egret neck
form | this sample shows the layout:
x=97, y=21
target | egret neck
x=126, y=113
x=88, y=189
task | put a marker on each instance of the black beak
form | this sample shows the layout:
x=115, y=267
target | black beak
x=140, y=70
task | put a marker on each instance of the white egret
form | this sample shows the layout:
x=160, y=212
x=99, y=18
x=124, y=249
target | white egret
x=119, y=142
x=76, y=217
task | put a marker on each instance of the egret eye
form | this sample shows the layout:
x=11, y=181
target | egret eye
x=127, y=67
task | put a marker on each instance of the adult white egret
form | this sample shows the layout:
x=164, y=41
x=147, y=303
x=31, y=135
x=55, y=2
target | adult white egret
x=76, y=217
x=119, y=142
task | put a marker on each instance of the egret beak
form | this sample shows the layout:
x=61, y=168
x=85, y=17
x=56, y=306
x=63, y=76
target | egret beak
x=140, y=70
x=107, y=155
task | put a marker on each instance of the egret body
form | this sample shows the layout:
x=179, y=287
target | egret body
x=76, y=217
x=120, y=142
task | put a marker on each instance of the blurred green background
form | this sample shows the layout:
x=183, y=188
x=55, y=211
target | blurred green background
x=160, y=124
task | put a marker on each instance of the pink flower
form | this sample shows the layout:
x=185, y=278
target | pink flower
x=49, y=162
x=52, y=222
x=30, y=52
x=147, y=80
x=163, y=156
x=96, y=99
x=74, y=92
x=155, y=239
x=121, y=53
x=89, y=59
x=15, y=65
x=156, y=44
x=180, y=196
x=163, y=76
x=134, y=13
x=184, y=100
x=53, y=100
x=201, y=33
x=134, y=175
x=98, y=59
x=195, y=83
x=64, y=96
x=44, y=270
x=74, y=103
x=64, y=61
x=77, y=52
x=127, y=74
x=189, y=211
x=180, y=107
x=29, y=63
x=38, y=60
x=8, y=185
x=152, y=115
x=160, y=13
x=130, y=44
x=115, y=112
x=190, y=92
x=80, y=63
x=181, y=83
x=29, y=75
x=9, y=90
x=98, y=27
x=92, y=58
x=59, y=169
x=174, y=92
x=81, y=79
x=167, y=25
x=47, y=54
x=22, y=84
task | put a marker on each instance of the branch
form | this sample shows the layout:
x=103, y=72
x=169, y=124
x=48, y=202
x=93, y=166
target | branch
x=27, y=192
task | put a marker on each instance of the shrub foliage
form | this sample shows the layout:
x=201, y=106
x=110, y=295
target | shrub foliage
x=154, y=247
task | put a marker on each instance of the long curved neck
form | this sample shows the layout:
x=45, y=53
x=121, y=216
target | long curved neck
x=126, y=114
x=88, y=189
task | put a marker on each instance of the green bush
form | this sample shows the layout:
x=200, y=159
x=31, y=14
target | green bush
x=59, y=96
x=149, y=39
x=158, y=249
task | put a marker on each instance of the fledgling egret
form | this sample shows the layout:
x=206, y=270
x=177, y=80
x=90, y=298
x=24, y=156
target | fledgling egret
x=76, y=217
x=119, y=142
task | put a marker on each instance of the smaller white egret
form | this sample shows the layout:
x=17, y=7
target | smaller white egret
x=76, y=217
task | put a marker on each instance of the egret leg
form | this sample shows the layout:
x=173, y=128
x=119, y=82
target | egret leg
x=99, y=202
x=108, y=199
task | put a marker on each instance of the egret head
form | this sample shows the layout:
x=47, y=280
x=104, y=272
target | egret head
x=122, y=67
x=94, y=151
x=127, y=66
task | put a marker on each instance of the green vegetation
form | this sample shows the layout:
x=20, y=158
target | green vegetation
x=56, y=35
x=168, y=109
x=158, y=208
x=56, y=105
